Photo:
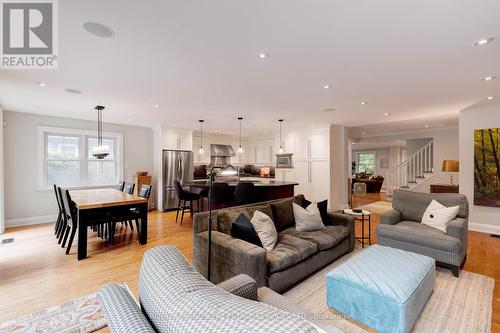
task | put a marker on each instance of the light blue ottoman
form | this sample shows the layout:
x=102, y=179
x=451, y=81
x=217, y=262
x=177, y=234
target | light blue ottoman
x=383, y=288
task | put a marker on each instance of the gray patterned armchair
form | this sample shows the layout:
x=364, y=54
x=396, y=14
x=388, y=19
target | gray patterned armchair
x=174, y=297
x=402, y=228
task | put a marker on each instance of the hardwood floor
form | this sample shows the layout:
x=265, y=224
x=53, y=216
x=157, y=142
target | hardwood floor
x=35, y=273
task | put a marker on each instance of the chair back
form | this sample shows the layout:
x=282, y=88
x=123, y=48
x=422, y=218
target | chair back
x=245, y=193
x=121, y=185
x=58, y=199
x=360, y=189
x=179, y=191
x=145, y=191
x=129, y=188
x=221, y=193
x=412, y=205
x=68, y=212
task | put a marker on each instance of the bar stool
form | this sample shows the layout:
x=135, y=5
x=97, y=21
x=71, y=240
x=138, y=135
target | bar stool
x=245, y=193
x=221, y=194
x=184, y=196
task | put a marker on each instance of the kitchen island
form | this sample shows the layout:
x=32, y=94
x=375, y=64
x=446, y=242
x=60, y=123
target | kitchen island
x=267, y=189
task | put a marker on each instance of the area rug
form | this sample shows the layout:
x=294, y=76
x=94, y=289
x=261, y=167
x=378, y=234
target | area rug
x=460, y=305
x=81, y=315
x=378, y=207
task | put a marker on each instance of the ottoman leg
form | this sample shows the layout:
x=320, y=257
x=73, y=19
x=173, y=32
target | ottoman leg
x=456, y=271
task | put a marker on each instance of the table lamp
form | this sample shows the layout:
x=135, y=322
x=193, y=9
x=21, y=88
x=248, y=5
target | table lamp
x=450, y=166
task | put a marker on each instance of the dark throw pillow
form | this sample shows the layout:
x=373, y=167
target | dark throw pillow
x=283, y=213
x=323, y=209
x=243, y=229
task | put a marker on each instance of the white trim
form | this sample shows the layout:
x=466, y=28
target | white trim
x=30, y=220
x=486, y=228
x=41, y=132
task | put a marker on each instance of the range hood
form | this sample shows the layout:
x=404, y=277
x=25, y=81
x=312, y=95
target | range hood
x=217, y=150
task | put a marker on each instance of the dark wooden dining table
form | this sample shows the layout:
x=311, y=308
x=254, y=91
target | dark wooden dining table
x=91, y=202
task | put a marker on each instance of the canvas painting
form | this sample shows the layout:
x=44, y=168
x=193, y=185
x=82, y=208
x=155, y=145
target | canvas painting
x=487, y=167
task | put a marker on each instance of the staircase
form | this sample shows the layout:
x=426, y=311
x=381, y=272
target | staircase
x=413, y=171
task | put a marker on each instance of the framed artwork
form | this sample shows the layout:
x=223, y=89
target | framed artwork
x=384, y=163
x=487, y=167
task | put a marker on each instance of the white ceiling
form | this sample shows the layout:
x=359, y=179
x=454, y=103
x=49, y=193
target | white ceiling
x=198, y=59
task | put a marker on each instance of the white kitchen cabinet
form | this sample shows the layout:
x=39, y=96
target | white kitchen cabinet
x=177, y=140
x=302, y=145
x=319, y=180
x=301, y=171
x=319, y=144
x=262, y=151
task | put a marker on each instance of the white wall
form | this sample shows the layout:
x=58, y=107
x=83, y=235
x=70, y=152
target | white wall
x=486, y=219
x=25, y=203
x=339, y=167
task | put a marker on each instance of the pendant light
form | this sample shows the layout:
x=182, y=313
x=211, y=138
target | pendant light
x=281, y=142
x=240, y=148
x=201, y=150
x=100, y=151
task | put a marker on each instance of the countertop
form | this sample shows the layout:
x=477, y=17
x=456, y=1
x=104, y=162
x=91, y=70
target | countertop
x=257, y=183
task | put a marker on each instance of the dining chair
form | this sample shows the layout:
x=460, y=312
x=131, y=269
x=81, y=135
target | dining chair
x=121, y=185
x=63, y=225
x=59, y=223
x=183, y=197
x=129, y=188
x=129, y=216
x=245, y=193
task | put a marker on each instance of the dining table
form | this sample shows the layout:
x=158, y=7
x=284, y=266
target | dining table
x=96, y=202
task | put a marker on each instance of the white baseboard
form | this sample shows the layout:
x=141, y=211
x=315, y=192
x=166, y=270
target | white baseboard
x=30, y=221
x=486, y=228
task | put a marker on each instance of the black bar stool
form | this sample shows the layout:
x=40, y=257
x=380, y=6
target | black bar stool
x=245, y=193
x=221, y=194
x=184, y=196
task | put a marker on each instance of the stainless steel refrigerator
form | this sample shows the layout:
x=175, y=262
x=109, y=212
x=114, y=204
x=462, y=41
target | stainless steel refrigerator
x=177, y=165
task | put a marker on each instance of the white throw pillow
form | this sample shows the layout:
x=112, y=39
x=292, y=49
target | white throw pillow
x=265, y=229
x=308, y=219
x=438, y=216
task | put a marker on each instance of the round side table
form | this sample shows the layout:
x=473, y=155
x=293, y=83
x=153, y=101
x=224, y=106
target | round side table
x=363, y=216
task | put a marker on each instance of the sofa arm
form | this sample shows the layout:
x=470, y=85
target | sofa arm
x=229, y=257
x=346, y=221
x=241, y=285
x=390, y=217
x=458, y=228
x=121, y=311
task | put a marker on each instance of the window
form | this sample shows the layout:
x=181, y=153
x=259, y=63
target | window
x=68, y=161
x=366, y=162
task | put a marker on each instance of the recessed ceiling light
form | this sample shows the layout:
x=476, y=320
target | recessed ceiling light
x=263, y=55
x=386, y=114
x=156, y=106
x=364, y=103
x=73, y=91
x=426, y=126
x=489, y=78
x=327, y=86
x=129, y=120
x=98, y=29
x=41, y=84
x=40, y=108
x=483, y=41
x=363, y=132
x=329, y=110
x=491, y=98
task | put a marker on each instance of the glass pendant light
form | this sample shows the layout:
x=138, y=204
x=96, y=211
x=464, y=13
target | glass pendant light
x=100, y=151
x=281, y=142
x=201, y=150
x=240, y=148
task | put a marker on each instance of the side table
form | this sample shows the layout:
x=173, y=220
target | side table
x=363, y=216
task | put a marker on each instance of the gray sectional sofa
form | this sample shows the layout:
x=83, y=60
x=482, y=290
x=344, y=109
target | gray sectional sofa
x=296, y=255
x=402, y=228
x=174, y=298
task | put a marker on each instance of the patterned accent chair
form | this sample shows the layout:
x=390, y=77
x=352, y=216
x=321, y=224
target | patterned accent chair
x=174, y=297
x=402, y=228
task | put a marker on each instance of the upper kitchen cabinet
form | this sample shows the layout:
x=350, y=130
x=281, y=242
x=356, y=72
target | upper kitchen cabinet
x=177, y=139
x=314, y=144
x=262, y=151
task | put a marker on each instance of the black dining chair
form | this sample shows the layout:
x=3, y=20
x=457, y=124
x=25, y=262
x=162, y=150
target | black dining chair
x=59, y=221
x=129, y=216
x=121, y=185
x=245, y=193
x=63, y=224
x=129, y=188
x=221, y=194
x=184, y=196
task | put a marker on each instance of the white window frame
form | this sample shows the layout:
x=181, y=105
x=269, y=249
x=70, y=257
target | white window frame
x=43, y=131
x=365, y=153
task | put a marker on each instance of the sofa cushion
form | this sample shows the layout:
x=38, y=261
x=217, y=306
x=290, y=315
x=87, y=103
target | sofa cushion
x=419, y=234
x=243, y=229
x=283, y=213
x=324, y=239
x=322, y=206
x=288, y=252
x=266, y=209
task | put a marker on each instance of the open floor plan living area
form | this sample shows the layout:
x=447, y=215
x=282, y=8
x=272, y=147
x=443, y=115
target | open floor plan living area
x=256, y=166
